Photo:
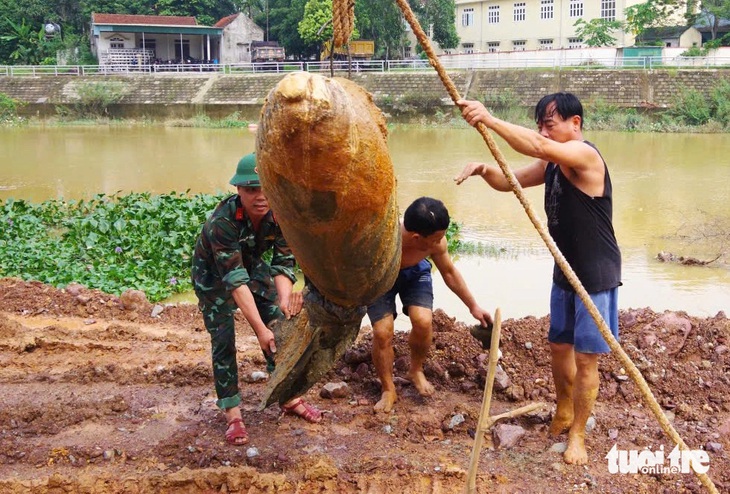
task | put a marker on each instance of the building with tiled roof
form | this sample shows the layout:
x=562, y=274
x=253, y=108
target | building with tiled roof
x=123, y=39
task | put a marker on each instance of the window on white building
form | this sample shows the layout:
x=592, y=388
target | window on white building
x=546, y=9
x=519, y=11
x=468, y=47
x=576, y=8
x=608, y=10
x=519, y=45
x=575, y=43
x=467, y=17
x=493, y=14
x=546, y=44
x=493, y=46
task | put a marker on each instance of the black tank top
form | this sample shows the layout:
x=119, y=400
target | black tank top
x=582, y=228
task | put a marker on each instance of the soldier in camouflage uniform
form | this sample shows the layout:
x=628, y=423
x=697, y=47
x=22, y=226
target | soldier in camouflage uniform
x=229, y=272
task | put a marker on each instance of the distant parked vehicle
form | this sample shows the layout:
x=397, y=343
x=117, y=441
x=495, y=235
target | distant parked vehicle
x=361, y=49
x=266, y=51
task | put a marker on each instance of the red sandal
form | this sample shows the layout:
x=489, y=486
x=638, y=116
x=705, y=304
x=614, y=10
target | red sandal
x=308, y=412
x=236, y=433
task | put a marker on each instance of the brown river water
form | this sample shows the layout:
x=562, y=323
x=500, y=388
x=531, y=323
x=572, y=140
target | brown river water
x=671, y=193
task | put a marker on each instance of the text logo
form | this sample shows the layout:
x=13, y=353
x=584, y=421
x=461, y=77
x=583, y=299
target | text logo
x=653, y=462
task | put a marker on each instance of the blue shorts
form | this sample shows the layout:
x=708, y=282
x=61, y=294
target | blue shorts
x=415, y=287
x=570, y=321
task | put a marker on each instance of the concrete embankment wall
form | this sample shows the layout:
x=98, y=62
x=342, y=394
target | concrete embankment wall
x=217, y=95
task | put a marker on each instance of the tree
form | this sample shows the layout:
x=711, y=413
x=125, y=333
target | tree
x=710, y=13
x=251, y=7
x=284, y=18
x=25, y=42
x=653, y=13
x=441, y=15
x=596, y=32
x=206, y=12
x=316, y=26
x=381, y=21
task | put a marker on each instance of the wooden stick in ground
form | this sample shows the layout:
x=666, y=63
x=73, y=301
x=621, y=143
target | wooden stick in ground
x=514, y=413
x=486, y=403
x=485, y=420
x=632, y=370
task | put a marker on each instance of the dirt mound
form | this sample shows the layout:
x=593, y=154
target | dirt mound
x=103, y=396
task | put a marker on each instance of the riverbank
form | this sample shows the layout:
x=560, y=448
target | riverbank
x=636, y=100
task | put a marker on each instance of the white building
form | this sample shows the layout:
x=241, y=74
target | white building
x=142, y=39
x=518, y=25
x=238, y=33
x=121, y=39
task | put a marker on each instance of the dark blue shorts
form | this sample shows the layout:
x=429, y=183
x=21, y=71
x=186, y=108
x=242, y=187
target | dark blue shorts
x=570, y=321
x=415, y=287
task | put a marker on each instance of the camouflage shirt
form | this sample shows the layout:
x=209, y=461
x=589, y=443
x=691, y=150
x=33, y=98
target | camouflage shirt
x=228, y=253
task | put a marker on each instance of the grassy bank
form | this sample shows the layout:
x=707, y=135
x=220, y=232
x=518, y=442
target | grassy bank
x=691, y=112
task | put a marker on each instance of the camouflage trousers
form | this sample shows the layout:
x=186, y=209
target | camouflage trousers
x=218, y=317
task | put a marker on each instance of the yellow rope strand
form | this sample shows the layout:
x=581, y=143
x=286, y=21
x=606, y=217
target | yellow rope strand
x=632, y=370
x=343, y=20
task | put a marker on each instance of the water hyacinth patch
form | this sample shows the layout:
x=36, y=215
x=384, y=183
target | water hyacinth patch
x=109, y=242
x=114, y=242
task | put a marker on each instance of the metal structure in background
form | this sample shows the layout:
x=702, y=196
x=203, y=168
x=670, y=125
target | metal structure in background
x=641, y=63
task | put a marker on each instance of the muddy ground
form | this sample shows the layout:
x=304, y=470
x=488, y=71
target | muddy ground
x=99, y=397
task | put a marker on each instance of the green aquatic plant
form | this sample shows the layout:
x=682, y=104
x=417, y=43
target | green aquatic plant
x=119, y=242
x=112, y=243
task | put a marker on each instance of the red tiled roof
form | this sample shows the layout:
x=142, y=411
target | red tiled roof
x=137, y=20
x=225, y=21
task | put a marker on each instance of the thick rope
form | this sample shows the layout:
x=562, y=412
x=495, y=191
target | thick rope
x=632, y=370
x=343, y=20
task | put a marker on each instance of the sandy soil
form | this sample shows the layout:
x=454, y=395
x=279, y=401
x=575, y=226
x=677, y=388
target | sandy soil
x=98, y=397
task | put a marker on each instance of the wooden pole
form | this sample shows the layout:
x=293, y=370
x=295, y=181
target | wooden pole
x=486, y=421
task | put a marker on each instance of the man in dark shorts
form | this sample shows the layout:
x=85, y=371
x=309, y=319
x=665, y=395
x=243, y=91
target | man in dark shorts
x=229, y=272
x=579, y=207
x=423, y=231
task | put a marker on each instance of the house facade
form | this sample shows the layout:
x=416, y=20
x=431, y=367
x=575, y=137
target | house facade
x=238, y=33
x=672, y=37
x=120, y=39
x=520, y=25
x=144, y=39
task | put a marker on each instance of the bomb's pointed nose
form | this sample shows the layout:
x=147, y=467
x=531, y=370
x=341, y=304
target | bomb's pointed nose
x=299, y=86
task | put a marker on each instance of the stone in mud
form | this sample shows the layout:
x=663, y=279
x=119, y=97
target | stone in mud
x=482, y=334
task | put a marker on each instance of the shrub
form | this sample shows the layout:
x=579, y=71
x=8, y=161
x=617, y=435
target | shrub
x=93, y=99
x=720, y=102
x=695, y=51
x=598, y=111
x=8, y=108
x=692, y=107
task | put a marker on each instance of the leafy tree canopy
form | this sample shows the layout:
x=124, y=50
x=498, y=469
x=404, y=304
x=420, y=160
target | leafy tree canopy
x=596, y=32
x=653, y=13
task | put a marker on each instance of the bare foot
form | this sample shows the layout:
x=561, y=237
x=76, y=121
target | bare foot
x=386, y=402
x=561, y=423
x=419, y=380
x=576, y=453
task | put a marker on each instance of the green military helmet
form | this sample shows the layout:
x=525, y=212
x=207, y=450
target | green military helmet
x=246, y=173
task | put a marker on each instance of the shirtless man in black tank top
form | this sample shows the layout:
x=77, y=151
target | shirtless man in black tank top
x=578, y=203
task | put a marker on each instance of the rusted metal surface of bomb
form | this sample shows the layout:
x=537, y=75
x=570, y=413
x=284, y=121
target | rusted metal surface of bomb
x=323, y=159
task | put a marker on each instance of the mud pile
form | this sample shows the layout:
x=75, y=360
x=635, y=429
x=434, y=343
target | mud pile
x=102, y=394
